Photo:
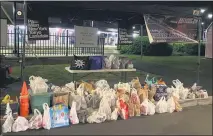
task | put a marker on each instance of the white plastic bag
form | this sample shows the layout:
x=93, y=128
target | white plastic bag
x=102, y=84
x=105, y=108
x=171, y=105
x=184, y=93
x=96, y=117
x=8, y=110
x=107, y=63
x=161, y=106
x=36, y=121
x=73, y=114
x=7, y=126
x=71, y=86
x=38, y=84
x=114, y=115
x=151, y=108
x=144, y=107
x=20, y=124
x=46, y=121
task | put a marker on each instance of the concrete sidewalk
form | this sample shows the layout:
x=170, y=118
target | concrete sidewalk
x=191, y=121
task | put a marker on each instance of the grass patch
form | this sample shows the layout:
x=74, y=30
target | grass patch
x=180, y=62
x=56, y=74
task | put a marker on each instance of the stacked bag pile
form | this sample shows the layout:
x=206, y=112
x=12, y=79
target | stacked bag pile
x=96, y=102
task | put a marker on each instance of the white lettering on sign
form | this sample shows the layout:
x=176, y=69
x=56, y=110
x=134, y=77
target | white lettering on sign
x=36, y=31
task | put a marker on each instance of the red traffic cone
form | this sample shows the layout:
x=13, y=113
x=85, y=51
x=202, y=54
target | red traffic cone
x=24, y=90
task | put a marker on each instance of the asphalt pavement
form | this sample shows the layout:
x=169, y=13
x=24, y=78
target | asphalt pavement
x=188, y=77
x=191, y=121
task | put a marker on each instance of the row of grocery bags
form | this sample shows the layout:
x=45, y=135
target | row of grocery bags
x=98, y=102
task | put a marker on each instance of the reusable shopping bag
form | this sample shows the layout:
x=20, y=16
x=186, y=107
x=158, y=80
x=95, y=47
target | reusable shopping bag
x=20, y=124
x=59, y=116
x=171, y=105
x=7, y=126
x=46, y=120
x=95, y=62
x=161, y=106
x=160, y=92
x=80, y=63
x=73, y=114
x=36, y=121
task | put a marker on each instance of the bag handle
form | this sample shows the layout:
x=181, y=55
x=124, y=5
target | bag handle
x=37, y=112
x=45, y=106
x=6, y=99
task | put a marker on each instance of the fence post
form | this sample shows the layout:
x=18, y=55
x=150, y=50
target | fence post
x=67, y=43
x=18, y=41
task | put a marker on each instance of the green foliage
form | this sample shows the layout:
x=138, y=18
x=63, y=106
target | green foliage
x=135, y=48
x=161, y=49
x=188, y=48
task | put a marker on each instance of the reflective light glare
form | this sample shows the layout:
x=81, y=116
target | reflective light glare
x=202, y=10
x=134, y=35
x=113, y=33
x=99, y=32
x=210, y=16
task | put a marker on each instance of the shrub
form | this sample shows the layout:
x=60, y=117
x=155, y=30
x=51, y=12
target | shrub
x=135, y=48
x=188, y=48
x=160, y=49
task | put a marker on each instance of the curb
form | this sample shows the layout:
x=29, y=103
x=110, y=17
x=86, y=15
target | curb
x=195, y=102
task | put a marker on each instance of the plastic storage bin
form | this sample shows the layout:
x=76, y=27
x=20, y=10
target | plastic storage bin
x=37, y=100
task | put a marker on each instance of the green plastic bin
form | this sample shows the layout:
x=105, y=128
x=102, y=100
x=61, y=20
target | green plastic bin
x=37, y=100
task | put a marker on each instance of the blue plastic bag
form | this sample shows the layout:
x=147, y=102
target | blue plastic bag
x=59, y=116
x=95, y=62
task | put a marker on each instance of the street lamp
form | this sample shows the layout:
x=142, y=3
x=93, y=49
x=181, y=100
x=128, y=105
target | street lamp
x=133, y=27
x=202, y=23
x=210, y=16
x=202, y=10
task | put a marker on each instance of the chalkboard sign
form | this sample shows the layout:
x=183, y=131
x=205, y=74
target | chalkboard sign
x=37, y=30
x=124, y=38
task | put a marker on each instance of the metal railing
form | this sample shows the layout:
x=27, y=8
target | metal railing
x=57, y=45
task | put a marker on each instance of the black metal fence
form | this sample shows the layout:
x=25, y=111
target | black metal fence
x=57, y=45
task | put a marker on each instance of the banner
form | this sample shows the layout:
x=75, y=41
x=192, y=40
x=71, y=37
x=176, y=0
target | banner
x=124, y=37
x=86, y=36
x=37, y=30
x=171, y=29
x=37, y=25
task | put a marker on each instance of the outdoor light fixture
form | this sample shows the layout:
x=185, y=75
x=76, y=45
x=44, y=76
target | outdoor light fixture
x=133, y=27
x=202, y=10
x=210, y=16
x=19, y=13
x=134, y=35
x=202, y=23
